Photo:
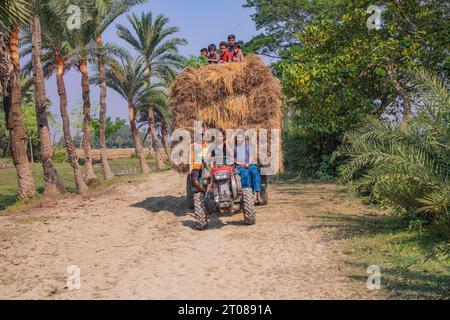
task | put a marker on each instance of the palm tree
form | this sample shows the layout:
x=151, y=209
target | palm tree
x=163, y=115
x=128, y=78
x=12, y=15
x=153, y=40
x=12, y=12
x=81, y=42
x=105, y=14
x=57, y=58
x=6, y=67
x=52, y=183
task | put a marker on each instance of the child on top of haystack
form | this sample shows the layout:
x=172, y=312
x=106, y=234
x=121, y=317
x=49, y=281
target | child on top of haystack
x=237, y=55
x=231, y=42
x=204, y=53
x=213, y=56
x=226, y=56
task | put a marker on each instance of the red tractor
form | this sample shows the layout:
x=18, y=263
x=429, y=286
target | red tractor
x=224, y=195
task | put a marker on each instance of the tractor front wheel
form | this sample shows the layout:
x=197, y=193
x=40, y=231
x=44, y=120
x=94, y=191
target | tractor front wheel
x=201, y=218
x=249, y=206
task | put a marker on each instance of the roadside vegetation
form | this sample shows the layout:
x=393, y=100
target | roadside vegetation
x=370, y=108
x=38, y=32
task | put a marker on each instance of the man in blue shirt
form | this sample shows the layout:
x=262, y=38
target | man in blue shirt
x=250, y=176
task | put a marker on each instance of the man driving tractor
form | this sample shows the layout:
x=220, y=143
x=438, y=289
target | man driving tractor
x=250, y=175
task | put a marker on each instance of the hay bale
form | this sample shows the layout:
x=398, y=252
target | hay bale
x=227, y=96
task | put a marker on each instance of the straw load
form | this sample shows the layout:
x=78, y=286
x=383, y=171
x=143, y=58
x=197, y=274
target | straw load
x=227, y=96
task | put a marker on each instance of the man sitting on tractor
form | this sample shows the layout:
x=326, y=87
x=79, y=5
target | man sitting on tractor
x=250, y=175
x=198, y=156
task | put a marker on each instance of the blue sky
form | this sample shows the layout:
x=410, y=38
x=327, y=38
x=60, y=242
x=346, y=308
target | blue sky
x=201, y=22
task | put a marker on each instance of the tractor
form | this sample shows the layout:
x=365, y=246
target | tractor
x=224, y=195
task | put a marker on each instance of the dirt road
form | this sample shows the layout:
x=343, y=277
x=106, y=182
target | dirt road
x=139, y=242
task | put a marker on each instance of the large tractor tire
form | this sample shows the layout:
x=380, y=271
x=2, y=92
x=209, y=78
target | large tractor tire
x=189, y=193
x=201, y=217
x=248, y=206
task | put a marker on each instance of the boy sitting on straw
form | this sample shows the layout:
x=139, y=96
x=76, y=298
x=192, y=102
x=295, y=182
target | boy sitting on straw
x=226, y=56
x=213, y=56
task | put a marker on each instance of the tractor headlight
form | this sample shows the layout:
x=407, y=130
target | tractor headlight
x=221, y=175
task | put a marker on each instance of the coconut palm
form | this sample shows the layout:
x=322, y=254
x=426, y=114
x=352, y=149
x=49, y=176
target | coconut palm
x=12, y=15
x=155, y=42
x=128, y=78
x=105, y=14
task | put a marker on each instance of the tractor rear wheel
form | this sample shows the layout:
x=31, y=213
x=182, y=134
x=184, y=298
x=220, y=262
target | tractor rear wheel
x=249, y=206
x=189, y=193
x=201, y=218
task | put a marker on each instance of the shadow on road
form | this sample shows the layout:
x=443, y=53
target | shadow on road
x=176, y=205
x=179, y=207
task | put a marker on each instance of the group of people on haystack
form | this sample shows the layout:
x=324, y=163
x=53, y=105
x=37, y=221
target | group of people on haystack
x=229, y=52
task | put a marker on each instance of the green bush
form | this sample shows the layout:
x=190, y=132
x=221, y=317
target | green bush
x=60, y=156
x=304, y=156
x=406, y=167
x=93, y=183
x=196, y=62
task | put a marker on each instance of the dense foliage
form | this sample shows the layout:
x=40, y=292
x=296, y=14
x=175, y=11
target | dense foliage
x=335, y=71
x=406, y=167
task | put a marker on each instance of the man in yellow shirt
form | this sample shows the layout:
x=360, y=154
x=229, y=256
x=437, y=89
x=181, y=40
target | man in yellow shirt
x=198, y=157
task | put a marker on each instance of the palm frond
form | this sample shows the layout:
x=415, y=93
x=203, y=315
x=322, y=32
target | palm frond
x=406, y=167
x=13, y=13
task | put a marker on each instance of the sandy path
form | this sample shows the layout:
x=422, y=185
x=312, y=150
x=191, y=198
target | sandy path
x=138, y=241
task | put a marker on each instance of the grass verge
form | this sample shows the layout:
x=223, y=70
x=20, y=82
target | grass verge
x=415, y=264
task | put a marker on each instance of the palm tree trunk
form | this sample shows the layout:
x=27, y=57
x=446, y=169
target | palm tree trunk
x=6, y=67
x=87, y=135
x=137, y=141
x=70, y=146
x=164, y=139
x=151, y=120
x=52, y=183
x=16, y=125
x=107, y=173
